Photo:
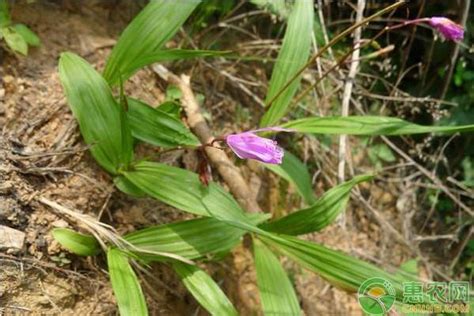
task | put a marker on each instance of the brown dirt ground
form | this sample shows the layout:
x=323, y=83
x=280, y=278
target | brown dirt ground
x=36, y=120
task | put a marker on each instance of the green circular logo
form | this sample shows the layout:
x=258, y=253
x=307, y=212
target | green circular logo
x=376, y=296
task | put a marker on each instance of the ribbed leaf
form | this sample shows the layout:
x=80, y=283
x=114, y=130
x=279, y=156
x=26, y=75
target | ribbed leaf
x=127, y=289
x=28, y=35
x=146, y=34
x=293, y=55
x=182, y=189
x=277, y=294
x=204, y=289
x=127, y=187
x=191, y=239
x=295, y=172
x=336, y=267
x=179, y=188
x=367, y=125
x=80, y=244
x=322, y=213
x=157, y=127
x=100, y=118
x=168, y=55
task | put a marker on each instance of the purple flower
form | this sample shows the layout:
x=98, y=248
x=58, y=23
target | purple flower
x=449, y=29
x=247, y=145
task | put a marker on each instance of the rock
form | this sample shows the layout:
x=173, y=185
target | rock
x=11, y=239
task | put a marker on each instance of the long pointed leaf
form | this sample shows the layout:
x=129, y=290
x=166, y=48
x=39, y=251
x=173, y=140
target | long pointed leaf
x=100, y=118
x=336, y=267
x=277, y=294
x=322, y=213
x=127, y=289
x=182, y=189
x=367, y=125
x=204, y=289
x=192, y=239
x=80, y=244
x=293, y=55
x=146, y=34
x=157, y=127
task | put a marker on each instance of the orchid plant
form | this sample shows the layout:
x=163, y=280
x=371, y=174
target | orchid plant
x=110, y=122
x=17, y=36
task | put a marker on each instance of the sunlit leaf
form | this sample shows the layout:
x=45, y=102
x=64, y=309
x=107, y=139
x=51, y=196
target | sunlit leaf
x=293, y=55
x=125, y=284
x=367, y=125
x=156, y=24
x=191, y=239
x=322, y=213
x=295, y=172
x=204, y=289
x=182, y=189
x=277, y=294
x=14, y=40
x=127, y=187
x=339, y=269
x=80, y=244
x=157, y=127
x=100, y=117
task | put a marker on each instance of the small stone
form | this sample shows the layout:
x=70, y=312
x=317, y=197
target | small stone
x=8, y=79
x=60, y=223
x=11, y=239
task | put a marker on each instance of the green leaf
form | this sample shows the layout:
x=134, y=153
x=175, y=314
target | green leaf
x=339, y=269
x=204, y=289
x=80, y=244
x=28, y=35
x=277, y=294
x=4, y=15
x=191, y=239
x=293, y=55
x=367, y=125
x=15, y=41
x=172, y=108
x=319, y=215
x=127, y=187
x=168, y=55
x=295, y=172
x=179, y=188
x=101, y=119
x=127, y=289
x=410, y=266
x=182, y=189
x=146, y=34
x=157, y=127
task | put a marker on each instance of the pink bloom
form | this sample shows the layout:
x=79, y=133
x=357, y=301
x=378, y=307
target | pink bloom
x=247, y=145
x=449, y=29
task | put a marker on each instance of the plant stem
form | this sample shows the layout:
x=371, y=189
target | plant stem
x=346, y=97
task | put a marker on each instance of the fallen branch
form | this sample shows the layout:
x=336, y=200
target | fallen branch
x=226, y=168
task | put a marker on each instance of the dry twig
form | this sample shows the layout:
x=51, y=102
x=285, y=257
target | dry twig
x=229, y=172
